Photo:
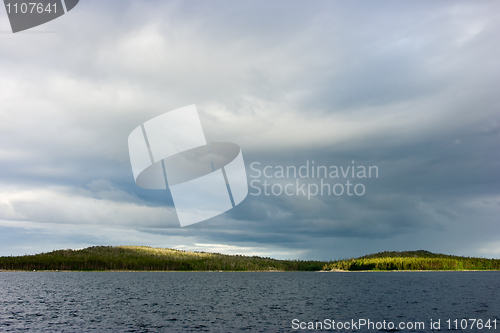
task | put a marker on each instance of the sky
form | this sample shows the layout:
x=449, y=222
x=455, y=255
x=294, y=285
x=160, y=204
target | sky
x=408, y=87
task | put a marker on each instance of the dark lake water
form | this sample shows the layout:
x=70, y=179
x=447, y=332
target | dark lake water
x=246, y=301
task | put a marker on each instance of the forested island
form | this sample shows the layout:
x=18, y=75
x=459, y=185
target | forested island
x=144, y=258
x=413, y=260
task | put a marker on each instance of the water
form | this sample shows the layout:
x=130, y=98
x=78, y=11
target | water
x=246, y=301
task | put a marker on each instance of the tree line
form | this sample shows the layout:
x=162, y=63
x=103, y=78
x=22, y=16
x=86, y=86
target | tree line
x=413, y=260
x=145, y=258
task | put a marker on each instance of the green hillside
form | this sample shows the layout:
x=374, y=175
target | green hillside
x=144, y=258
x=413, y=260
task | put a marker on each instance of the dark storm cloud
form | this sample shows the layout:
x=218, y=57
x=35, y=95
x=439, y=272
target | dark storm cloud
x=408, y=87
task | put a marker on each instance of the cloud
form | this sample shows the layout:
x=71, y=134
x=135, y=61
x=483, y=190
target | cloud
x=99, y=204
x=409, y=88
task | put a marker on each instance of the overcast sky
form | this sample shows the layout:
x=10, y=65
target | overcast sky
x=409, y=87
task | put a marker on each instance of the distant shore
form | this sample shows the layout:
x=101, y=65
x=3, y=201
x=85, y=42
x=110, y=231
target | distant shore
x=147, y=259
x=248, y=271
x=413, y=270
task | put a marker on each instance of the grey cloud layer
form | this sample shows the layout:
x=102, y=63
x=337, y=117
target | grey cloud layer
x=409, y=87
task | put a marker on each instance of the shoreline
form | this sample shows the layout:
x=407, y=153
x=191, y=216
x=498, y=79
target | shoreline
x=249, y=271
x=413, y=270
x=147, y=259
